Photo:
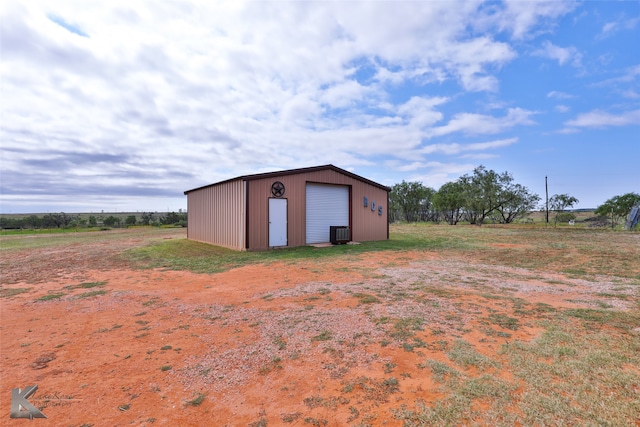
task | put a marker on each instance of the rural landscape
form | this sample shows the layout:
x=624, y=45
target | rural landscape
x=503, y=324
x=320, y=213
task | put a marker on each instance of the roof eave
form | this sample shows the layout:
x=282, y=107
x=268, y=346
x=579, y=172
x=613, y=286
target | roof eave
x=294, y=172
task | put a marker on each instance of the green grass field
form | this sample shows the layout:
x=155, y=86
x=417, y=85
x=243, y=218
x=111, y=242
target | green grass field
x=577, y=251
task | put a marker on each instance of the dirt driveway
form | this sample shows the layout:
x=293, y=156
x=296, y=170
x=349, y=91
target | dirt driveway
x=310, y=342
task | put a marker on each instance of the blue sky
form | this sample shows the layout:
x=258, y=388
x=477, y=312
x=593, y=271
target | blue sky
x=122, y=106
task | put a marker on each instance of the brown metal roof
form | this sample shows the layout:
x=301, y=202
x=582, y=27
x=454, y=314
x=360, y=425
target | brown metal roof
x=293, y=172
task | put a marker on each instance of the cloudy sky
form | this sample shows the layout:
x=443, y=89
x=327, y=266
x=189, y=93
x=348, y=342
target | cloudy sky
x=124, y=105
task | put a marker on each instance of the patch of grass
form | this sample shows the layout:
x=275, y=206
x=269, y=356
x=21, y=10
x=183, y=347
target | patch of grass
x=417, y=342
x=391, y=384
x=183, y=254
x=11, y=292
x=487, y=386
x=355, y=413
x=50, y=297
x=274, y=364
x=262, y=422
x=405, y=328
x=290, y=417
x=457, y=408
x=86, y=285
x=575, y=374
x=541, y=307
x=440, y=292
x=388, y=367
x=280, y=343
x=316, y=422
x=92, y=294
x=366, y=298
x=166, y=368
x=166, y=347
x=152, y=301
x=203, y=370
x=313, y=401
x=323, y=336
x=377, y=391
x=197, y=400
x=625, y=320
x=465, y=355
x=439, y=370
x=478, y=243
x=504, y=321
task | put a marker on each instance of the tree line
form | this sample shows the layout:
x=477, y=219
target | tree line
x=487, y=195
x=64, y=220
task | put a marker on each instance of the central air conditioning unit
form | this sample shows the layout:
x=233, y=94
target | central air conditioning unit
x=339, y=234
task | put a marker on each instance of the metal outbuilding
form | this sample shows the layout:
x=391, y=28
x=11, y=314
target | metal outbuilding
x=288, y=208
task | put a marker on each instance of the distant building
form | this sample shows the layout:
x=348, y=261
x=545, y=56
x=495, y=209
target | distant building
x=288, y=208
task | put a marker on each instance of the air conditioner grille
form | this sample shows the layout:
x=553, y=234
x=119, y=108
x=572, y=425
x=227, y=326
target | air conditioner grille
x=342, y=233
x=339, y=234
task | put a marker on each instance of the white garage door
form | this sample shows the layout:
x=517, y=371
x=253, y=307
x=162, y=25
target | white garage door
x=327, y=205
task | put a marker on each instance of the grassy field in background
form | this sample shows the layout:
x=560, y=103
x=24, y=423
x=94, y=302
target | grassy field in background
x=547, y=248
x=583, y=219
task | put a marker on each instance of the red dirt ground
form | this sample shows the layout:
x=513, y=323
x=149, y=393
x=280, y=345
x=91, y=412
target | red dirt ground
x=249, y=339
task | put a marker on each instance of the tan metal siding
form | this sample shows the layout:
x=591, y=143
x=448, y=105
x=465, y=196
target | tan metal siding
x=216, y=215
x=365, y=224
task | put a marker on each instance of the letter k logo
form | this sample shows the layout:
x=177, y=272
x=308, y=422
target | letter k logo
x=20, y=406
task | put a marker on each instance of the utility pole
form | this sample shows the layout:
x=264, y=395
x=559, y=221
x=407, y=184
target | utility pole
x=546, y=189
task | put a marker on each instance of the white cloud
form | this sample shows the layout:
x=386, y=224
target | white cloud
x=613, y=27
x=477, y=124
x=625, y=84
x=629, y=75
x=455, y=148
x=561, y=108
x=420, y=111
x=601, y=119
x=561, y=54
x=479, y=156
x=439, y=173
x=559, y=95
x=609, y=27
x=521, y=17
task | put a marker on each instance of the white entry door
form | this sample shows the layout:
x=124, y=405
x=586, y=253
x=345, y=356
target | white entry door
x=277, y=222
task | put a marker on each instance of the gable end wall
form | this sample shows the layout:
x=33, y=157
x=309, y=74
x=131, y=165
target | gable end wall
x=216, y=215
